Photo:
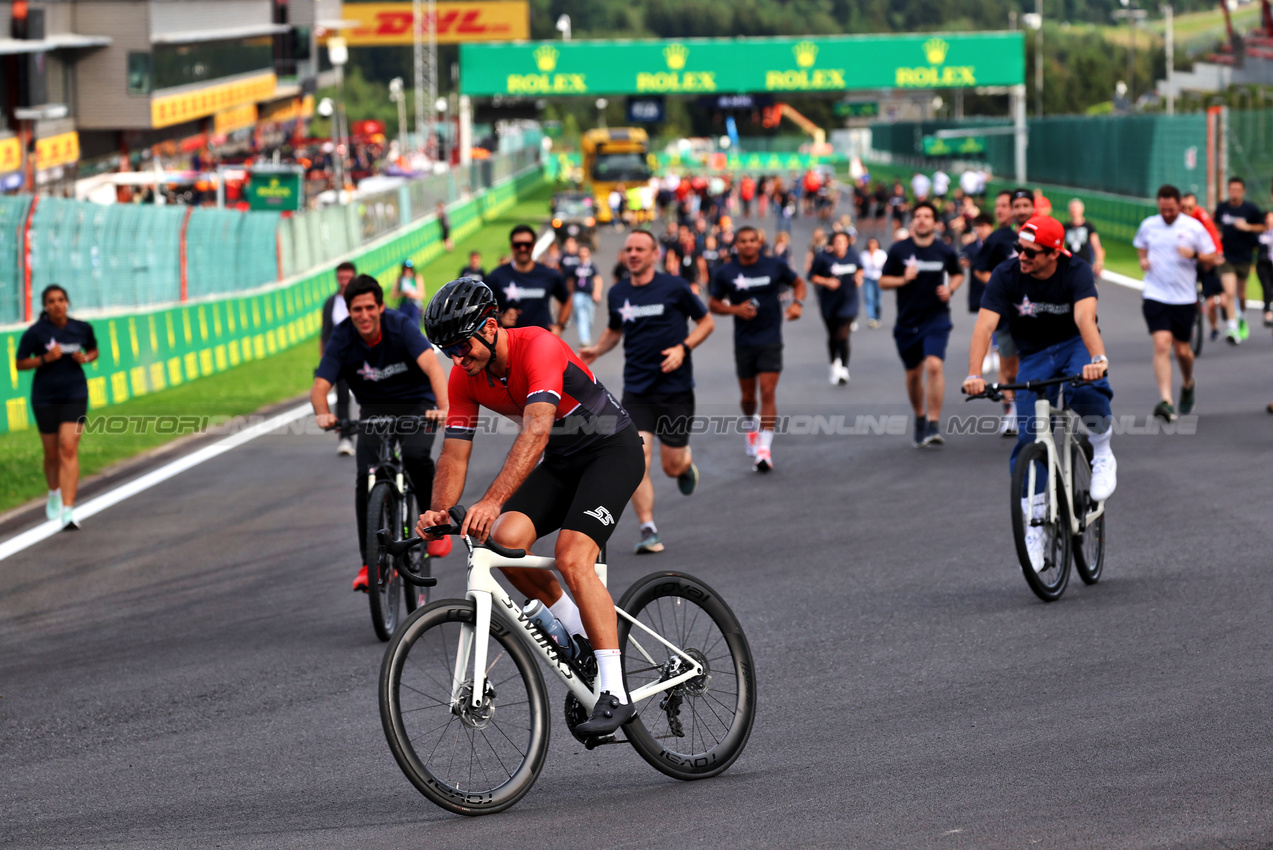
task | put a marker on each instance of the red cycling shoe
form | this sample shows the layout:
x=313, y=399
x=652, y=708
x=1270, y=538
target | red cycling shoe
x=360, y=580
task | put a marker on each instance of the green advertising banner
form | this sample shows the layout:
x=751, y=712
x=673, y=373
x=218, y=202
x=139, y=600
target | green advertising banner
x=934, y=146
x=866, y=109
x=705, y=66
x=275, y=190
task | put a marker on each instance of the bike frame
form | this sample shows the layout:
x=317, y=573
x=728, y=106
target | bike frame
x=489, y=596
x=1043, y=413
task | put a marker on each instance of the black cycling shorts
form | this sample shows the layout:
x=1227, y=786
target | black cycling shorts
x=49, y=417
x=1211, y=284
x=1177, y=318
x=751, y=360
x=585, y=491
x=665, y=415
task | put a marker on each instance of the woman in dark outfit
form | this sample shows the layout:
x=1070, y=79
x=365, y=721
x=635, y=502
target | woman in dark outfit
x=56, y=347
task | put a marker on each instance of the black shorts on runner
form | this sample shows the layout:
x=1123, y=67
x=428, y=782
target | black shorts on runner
x=751, y=360
x=1177, y=318
x=665, y=415
x=49, y=417
x=1211, y=285
x=585, y=491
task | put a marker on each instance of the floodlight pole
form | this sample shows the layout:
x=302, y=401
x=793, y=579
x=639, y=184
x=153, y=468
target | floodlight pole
x=1021, y=132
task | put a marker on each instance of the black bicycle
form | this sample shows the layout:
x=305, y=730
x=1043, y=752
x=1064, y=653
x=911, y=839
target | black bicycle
x=392, y=506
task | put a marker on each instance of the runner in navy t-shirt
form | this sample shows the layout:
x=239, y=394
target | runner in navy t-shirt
x=650, y=310
x=392, y=371
x=837, y=273
x=1048, y=299
x=1241, y=224
x=748, y=288
x=57, y=347
x=925, y=272
x=523, y=287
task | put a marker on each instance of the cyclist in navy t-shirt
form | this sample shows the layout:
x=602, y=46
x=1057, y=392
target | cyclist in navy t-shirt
x=838, y=274
x=1048, y=299
x=392, y=371
x=57, y=347
x=748, y=288
x=523, y=287
x=925, y=272
x=649, y=311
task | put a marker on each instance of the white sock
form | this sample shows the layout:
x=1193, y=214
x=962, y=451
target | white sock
x=1232, y=323
x=567, y=613
x=650, y=525
x=57, y=492
x=766, y=439
x=1100, y=443
x=610, y=673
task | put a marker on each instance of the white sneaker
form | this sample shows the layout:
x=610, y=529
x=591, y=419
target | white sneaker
x=345, y=447
x=764, y=461
x=1104, y=477
x=844, y=375
x=853, y=326
x=53, y=510
x=836, y=366
x=990, y=363
x=1036, y=536
x=69, y=522
x=753, y=440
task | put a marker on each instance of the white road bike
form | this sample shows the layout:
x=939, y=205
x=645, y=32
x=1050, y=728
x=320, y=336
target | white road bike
x=1061, y=476
x=465, y=709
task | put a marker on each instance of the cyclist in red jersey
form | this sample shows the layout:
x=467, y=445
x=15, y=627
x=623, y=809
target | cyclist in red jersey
x=592, y=462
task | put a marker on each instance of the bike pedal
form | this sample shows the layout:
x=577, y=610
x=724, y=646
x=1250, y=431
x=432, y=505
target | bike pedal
x=593, y=743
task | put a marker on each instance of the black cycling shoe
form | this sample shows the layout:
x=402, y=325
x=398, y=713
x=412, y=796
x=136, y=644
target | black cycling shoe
x=608, y=715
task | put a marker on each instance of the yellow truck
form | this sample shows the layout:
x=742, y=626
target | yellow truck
x=613, y=157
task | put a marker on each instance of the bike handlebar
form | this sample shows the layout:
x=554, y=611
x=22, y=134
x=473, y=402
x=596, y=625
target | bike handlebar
x=994, y=392
x=457, y=514
x=423, y=423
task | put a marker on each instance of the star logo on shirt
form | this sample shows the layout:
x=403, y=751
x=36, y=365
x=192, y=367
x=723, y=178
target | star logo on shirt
x=513, y=292
x=627, y=313
x=367, y=372
x=1026, y=307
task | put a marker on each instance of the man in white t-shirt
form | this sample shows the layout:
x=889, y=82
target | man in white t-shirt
x=941, y=184
x=921, y=187
x=1170, y=246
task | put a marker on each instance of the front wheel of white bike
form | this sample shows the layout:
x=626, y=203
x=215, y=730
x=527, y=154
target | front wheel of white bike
x=471, y=760
x=698, y=728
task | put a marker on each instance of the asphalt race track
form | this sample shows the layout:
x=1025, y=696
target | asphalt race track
x=192, y=670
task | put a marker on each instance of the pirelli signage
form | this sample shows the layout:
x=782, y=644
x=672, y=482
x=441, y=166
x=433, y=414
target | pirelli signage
x=389, y=24
x=169, y=109
x=710, y=66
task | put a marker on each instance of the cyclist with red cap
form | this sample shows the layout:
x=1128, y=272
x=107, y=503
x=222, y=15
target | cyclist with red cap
x=1048, y=298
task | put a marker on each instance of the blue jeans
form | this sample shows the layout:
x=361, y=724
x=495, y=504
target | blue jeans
x=585, y=309
x=1089, y=401
x=871, y=294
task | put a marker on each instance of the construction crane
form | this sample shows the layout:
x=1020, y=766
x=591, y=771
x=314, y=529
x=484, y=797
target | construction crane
x=773, y=116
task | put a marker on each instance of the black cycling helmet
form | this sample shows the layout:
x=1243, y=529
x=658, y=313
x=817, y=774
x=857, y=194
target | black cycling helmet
x=458, y=311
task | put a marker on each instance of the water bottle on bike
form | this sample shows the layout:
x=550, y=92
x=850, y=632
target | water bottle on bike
x=537, y=612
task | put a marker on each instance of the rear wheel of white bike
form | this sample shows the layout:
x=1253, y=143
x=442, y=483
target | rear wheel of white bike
x=472, y=760
x=698, y=728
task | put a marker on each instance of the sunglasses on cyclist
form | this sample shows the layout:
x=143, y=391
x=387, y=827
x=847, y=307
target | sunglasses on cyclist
x=460, y=349
x=1030, y=253
x=522, y=246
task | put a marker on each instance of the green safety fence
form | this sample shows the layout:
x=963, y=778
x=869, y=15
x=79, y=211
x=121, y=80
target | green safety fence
x=1121, y=154
x=147, y=351
x=13, y=216
x=230, y=251
x=1115, y=216
x=1250, y=144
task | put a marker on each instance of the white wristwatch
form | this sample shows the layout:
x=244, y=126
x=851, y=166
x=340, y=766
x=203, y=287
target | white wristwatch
x=1100, y=358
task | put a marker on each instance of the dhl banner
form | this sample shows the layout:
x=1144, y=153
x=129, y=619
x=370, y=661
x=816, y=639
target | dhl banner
x=10, y=155
x=172, y=109
x=57, y=150
x=472, y=20
x=234, y=118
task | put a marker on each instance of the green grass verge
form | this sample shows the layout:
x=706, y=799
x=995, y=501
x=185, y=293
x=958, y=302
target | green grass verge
x=238, y=391
x=491, y=239
x=235, y=392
